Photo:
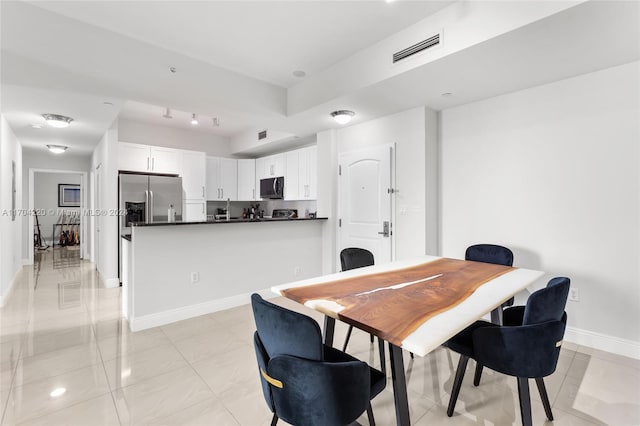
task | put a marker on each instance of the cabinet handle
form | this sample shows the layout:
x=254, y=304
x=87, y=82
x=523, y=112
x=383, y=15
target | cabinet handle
x=147, y=163
x=222, y=192
x=153, y=163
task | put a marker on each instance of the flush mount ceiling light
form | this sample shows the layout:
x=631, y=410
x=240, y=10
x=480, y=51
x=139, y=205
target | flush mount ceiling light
x=57, y=149
x=167, y=114
x=58, y=121
x=194, y=119
x=342, y=116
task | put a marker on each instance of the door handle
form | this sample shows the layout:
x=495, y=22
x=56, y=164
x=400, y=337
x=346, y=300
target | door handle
x=385, y=229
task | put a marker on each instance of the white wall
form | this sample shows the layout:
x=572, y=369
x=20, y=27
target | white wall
x=45, y=199
x=104, y=162
x=171, y=137
x=408, y=131
x=10, y=229
x=553, y=173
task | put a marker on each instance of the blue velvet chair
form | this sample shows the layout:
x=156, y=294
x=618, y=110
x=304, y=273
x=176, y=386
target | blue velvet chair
x=353, y=258
x=526, y=346
x=305, y=382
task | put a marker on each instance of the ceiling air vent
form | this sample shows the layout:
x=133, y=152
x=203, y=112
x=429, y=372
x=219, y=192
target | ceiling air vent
x=262, y=135
x=417, y=48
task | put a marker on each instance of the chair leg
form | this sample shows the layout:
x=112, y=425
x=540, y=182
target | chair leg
x=525, y=401
x=370, y=337
x=457, y=384
x=372, y=421
x=476, y=377
x=545, y=398
x=411, y=353
x=346, y=341
x=274, y=420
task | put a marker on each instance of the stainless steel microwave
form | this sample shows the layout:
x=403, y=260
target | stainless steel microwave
x=272, y=187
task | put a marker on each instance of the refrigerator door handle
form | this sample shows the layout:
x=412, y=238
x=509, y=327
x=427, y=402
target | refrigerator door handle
x=150, y=207
x=146, y=206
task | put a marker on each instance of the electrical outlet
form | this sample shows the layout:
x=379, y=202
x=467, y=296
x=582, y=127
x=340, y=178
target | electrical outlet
x=574, y=294
x=297, y=271
x=195, y=277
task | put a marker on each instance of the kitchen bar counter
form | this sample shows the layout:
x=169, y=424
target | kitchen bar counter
x=179, y=272
x=215, y=222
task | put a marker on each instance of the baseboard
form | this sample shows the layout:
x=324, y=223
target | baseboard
x=5, y=297
x=167, y=317
x=112, y=282
x=603, y=342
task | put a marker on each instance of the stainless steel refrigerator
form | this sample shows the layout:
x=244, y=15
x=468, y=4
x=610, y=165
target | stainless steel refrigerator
x=146, y=198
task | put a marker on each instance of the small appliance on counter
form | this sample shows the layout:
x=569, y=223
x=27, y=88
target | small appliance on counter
x=284, y=214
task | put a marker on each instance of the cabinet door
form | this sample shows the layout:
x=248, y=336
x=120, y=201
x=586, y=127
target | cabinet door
x=308, y=173
x=213, y=178
x=165, y=160
x=195, y=211
x=274, y=165
x=229, y=178
x=291, y=180
x=246, y=180
x=133, y=157
x=194, y=175
x=260, y=174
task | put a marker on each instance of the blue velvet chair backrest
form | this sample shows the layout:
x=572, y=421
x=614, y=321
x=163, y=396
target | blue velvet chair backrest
x=489, y=253
x=547, y=304
x=353, y=257
x=285, y=332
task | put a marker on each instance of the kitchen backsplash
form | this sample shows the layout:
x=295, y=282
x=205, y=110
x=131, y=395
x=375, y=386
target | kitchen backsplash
x=236, y=207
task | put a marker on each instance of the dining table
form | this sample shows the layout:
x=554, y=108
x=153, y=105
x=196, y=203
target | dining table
x=415, y=304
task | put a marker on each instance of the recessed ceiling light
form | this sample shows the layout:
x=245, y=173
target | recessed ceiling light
x=342, y=116
x=58, y=121
x=447, y=95
x=107, y=103
x=36, y=126
x=167, y=114
x=299, y=73
x=57, y=392
x=194, y=119
x=57, y=149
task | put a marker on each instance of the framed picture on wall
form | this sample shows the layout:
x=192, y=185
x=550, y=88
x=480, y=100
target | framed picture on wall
x=68, y=195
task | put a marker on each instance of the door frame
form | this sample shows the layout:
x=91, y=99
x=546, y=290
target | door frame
x=392, y=159
x=83, y=205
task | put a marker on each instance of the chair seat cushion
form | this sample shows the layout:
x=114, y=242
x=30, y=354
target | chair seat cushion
x=378, y=379
x=462, y=342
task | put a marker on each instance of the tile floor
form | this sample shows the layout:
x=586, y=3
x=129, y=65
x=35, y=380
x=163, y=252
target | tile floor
x=61, y=330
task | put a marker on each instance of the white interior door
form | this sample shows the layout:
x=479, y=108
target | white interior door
x=364, y=210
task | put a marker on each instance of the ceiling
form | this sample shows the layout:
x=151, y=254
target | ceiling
x=233, y=60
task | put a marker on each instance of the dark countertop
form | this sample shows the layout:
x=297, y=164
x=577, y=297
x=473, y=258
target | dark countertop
x=216, y=222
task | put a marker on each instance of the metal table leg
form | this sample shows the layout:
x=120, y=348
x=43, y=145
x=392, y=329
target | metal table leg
x=496, y=315
x=399, y=386
x=329, y=327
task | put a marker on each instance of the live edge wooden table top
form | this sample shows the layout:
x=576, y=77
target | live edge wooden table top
x=416, y=304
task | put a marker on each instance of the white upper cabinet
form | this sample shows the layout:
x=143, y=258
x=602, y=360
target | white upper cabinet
x=222, y=179
x=194, y=175
x=247, y=180
x=274, y=165
x=291, y=173
x=260, y=174
x=144, y=158
x=308, y=173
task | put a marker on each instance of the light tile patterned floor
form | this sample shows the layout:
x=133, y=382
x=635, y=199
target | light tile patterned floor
x=61, y=329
